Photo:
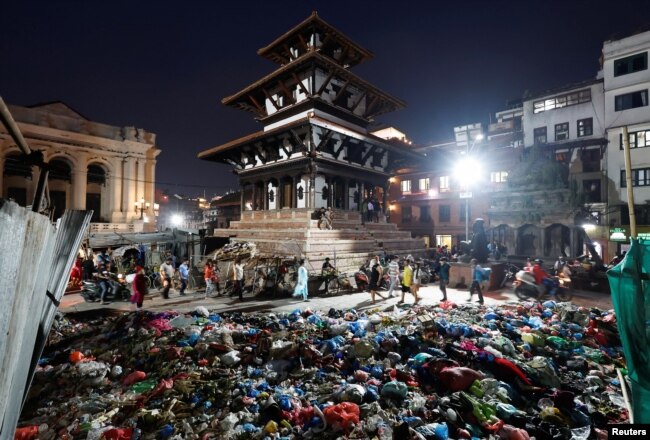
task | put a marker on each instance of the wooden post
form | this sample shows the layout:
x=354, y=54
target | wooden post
x=628, y=182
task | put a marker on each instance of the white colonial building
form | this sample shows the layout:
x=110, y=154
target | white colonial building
x=111, y=170
x=627, y=84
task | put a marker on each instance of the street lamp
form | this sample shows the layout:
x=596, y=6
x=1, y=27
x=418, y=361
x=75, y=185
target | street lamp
x=142, y=206
x=177, y=220
x=468, y=171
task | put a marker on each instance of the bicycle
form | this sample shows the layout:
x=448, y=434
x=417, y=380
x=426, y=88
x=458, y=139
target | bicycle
x=152, y=279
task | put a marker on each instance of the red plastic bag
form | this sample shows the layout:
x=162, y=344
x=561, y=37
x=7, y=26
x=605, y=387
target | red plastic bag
x=118, y=434
x=458, y=378
x=134, y=377
x=341, y=416
x=26, y=433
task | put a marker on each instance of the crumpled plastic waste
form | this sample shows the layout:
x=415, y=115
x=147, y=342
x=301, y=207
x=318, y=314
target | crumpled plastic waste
x=514, y=372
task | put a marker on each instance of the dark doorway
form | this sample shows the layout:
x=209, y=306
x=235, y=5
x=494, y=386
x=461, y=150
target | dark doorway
x=94, y=203
x=286, y=195
x=58, y=199
x=19, y=195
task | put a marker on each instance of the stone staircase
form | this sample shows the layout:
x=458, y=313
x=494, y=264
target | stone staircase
x=294, y=232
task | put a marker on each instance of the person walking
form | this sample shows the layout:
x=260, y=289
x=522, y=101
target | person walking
x=376, y=272
x=237, y=279
x=444, y=277
x=139, y=287
x=416, y=281
x=102, y=277
x=301, y=285
x=88, y=267
x=371, y=211
x=364, y=211
x=477, y=277
x=166, y=275
x=208, y=276
x=407, y=280
x=184, y=272
x=393, y=273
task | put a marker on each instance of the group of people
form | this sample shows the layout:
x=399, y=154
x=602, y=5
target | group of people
x=211, y=276
x=370, y=209
x=325, y=217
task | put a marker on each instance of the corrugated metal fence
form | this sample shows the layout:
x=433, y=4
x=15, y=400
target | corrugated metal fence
x=35, y=262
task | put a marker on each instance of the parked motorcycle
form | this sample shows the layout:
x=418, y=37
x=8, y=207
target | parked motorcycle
x=362, y=279
x=117, y=290
x=526, y=288
x=509, y=275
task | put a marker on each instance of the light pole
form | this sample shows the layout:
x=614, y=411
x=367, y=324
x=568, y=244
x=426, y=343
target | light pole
x=141, y=205
x=467, y=171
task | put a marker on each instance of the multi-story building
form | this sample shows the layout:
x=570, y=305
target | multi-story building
x=432, y=200
x=110, y=170
x=558, y=188
x=627, y=84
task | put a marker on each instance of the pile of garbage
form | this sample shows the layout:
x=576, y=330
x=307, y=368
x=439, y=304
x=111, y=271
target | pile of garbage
x=235, y=249
x=511, y=372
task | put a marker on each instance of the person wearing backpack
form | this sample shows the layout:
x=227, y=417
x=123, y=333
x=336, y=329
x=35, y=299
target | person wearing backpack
x=477, y=276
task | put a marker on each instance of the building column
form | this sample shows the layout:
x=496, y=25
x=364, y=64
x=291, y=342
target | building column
x=346, y=194
x=128, y=190
x=241, y=198
x=265, y=195
x=312, y=192
x=79, y=184
x=362, y=196
x=115, y=181
x=254, y=196
x=140, y=182
x=294, y=191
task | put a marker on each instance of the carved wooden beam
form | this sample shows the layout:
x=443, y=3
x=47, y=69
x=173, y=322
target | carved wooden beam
x=370, y=106
x=340, y=93
x=257, y=105
x=262, y=153
x=270, y=98
x=365, y=157
x=324, y=140
x=234, y=160
x=300, y=143
x=289, y=54
x=287, y=92
x=300, y=84
x=284, y=148
x=327, y=80
x=340, y=149
x=303, y=42
x=250, y=155
x=356, y=104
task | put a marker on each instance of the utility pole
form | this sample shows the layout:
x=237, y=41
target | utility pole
x=628, y=182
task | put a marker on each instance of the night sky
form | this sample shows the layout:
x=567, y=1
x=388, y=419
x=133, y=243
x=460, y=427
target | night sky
x=165, y=66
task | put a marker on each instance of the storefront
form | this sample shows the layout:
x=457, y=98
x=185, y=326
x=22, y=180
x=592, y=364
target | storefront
x=619, y=238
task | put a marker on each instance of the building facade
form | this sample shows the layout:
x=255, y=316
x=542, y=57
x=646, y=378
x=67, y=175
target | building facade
x=110, y=170
x=627, y=84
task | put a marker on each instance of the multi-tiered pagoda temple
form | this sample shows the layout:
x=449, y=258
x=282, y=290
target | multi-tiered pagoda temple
x=315, y=149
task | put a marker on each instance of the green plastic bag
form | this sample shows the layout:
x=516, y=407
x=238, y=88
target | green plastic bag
x=630, y=289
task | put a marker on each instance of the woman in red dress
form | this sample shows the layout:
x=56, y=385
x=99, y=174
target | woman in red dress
x=139, y=287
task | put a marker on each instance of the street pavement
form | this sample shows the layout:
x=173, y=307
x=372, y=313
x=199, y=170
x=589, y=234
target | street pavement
x=429, y=295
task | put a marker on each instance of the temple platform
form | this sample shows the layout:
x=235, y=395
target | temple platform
x=294, y=232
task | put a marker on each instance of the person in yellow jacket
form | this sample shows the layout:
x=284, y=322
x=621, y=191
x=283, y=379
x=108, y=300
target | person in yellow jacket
x=407, y=281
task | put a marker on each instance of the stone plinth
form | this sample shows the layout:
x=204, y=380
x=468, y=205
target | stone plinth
x=293, y=232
